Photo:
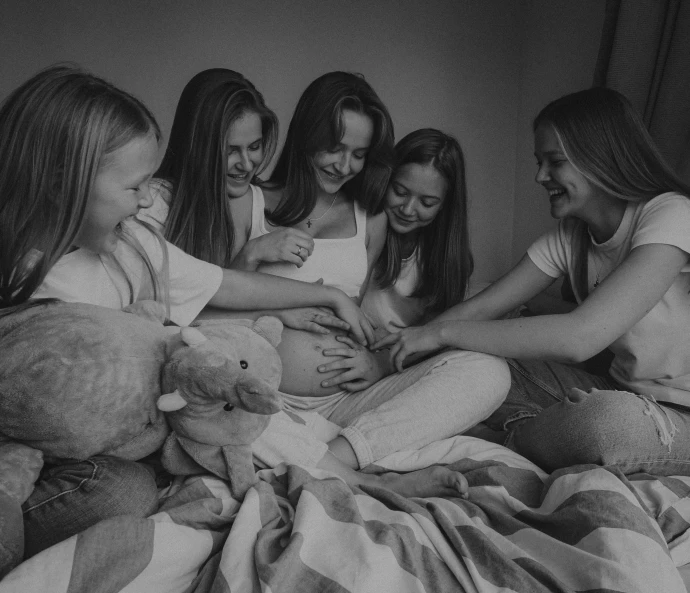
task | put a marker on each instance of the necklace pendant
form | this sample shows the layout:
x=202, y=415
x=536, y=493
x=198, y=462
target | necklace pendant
x=308, y=223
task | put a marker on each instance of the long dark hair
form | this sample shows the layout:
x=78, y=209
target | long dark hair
x=317, y=124
x=443, y=247
x=195, y=162
x=606, y=141
x=56, y=129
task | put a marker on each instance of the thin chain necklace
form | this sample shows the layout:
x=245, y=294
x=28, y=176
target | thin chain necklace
x=310, y=219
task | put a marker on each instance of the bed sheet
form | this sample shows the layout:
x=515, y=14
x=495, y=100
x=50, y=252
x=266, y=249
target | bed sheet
x=584, y=528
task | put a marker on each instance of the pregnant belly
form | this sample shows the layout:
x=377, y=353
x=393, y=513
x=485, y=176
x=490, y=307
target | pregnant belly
x=301, y=353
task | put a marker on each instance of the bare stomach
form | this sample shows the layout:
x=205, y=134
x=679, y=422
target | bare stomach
x=300, y=352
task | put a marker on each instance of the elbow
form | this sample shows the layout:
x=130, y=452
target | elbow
x=573, y=355
x=580, y=347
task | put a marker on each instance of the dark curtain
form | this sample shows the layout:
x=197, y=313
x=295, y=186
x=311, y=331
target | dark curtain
x=645, y=54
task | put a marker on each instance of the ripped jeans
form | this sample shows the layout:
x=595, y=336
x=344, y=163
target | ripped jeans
x=555, y=429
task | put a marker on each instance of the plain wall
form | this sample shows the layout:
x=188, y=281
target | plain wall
x=474, y=68
x=558, y=55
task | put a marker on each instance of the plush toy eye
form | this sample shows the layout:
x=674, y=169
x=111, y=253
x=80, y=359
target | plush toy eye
x=244, y=364
x=228, y=408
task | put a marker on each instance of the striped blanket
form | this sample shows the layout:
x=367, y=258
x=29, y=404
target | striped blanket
x=585, y=528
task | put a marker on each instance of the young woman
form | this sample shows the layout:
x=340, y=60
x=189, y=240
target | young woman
x=76, y=157
x=623, y=240
x=223, y=135
x=427, y=262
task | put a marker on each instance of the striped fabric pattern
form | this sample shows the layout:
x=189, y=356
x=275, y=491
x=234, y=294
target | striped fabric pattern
x=585, y=528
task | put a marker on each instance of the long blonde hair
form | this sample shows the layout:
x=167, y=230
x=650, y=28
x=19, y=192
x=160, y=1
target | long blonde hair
x=605, y=139
x=55, y=130
x=196, y=161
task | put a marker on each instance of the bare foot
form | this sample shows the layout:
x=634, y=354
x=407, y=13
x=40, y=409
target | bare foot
x=431, y=481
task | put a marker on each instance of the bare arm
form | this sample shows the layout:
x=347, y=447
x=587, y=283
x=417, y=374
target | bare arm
x=513, y=289
x=247, y=291
x=619, y=302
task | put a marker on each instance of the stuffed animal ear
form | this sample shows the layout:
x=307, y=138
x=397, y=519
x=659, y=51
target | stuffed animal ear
x=192, y=336
x=169, y=402
x=270, y=328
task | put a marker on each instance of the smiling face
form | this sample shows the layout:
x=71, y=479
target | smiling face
x=245, y=152
x=120, y=190
x=570, y=192
x=340, y=164
x=414, y=197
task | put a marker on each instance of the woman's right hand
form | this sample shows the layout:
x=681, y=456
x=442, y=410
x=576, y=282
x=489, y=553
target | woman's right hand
x=349, y=312
x=283, y=245
x=411, y=340
x=359, y=367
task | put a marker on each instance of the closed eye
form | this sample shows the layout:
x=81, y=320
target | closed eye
x=399, y=191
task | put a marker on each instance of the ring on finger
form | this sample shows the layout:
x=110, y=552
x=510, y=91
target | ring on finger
x=299, y=251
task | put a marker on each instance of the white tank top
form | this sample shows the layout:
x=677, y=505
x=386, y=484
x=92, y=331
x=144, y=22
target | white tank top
x=340, y=262
x=393, y=308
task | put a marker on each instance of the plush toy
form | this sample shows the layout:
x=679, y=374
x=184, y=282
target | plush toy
x=19, y=469
x=222, y=386
x=79, y=380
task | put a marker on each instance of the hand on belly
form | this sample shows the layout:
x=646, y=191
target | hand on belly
x=301, y=354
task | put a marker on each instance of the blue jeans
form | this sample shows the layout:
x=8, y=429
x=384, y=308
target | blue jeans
x=555, y=428
x=73, y=496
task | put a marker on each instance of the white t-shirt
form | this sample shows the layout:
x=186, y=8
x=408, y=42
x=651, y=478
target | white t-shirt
x=653, y=356
x=87, y=277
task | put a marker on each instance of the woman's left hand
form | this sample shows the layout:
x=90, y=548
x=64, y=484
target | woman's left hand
x=361, y=368
x=411, y=340
x=312, y=319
